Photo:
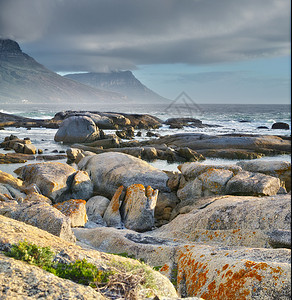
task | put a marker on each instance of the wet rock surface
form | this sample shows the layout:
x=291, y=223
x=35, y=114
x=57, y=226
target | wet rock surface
x=77, y=129
x=200, y=142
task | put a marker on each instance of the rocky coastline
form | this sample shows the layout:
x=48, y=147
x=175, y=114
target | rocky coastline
x=212, y=231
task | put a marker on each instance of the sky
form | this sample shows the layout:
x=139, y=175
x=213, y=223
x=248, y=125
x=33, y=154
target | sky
x=227, y=51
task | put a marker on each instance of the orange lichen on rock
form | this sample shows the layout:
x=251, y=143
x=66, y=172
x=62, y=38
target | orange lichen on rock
x=238, y=279
x=69, y=207
x=74, y=209
x=164, y=268
x=116, y=199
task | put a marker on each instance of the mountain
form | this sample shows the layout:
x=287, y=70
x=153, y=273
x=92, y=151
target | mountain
x=23, y=80
x=123, y=82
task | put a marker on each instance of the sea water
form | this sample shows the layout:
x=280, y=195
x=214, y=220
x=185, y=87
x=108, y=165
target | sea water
x=225, y=118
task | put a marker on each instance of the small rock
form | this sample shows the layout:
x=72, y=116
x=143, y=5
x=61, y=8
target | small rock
x=152, y=134
x=280, y=125
x=96, y=205
x=82, y=186
x=75, y=210
x=18, y=147
x=29, y=149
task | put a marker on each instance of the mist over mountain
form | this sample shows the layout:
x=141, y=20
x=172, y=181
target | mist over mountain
x=23, y=80
x=123, y=82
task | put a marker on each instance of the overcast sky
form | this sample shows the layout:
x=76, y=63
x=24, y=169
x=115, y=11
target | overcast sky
x=217, y=51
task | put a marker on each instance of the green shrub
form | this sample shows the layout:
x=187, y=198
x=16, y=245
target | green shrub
x=79, y=271
x=33, y=254
x=125, y=254
x=125, y=278
x=82, y=272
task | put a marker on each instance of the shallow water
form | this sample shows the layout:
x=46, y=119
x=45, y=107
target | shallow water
x=242, y=119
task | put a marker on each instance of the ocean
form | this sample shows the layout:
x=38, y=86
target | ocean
x=229, y=118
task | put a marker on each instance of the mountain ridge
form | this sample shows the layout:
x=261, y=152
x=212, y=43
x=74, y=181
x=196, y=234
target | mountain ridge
x=22, y=79
x=123, y=82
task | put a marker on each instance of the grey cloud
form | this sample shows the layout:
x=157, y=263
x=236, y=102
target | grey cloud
x=96, y=35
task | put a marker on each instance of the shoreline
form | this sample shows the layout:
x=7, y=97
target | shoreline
x=44, y=138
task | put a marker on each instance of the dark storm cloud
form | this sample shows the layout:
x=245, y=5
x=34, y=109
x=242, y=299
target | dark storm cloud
x=86, y=35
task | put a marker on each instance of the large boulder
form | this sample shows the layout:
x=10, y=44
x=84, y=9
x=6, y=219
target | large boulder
x=110, y=170
x=242, y=273
x=77, y=129
x=41, y=215
x=197, y=141
x=280, y=169
x=231, y=221
x=110, y=120
x=190, y=191
x=191, y=170
x=214, y=181
x=202, y=180
x=280, y=125
x=247, y=183
x=138, y=207
x=57, y=181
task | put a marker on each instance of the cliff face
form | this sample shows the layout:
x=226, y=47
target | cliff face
x=123, y=82
x=22, y=79
x=9, y=47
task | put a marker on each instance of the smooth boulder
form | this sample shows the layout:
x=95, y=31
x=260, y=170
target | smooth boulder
x=197, y=141
x=77, y=129
x=231, y=221
x=110, y=170
x=41, y=215
x=247, y=183
x=279, y=169
x=280, y=125
x=57, y=181
x=96, y=205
